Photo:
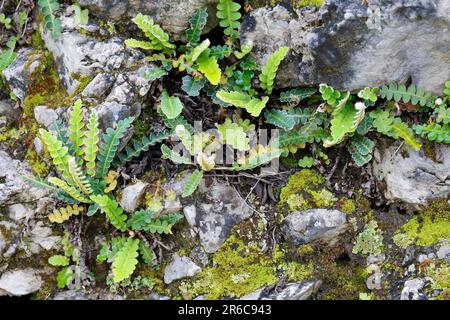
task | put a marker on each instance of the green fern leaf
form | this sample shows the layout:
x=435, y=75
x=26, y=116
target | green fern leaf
x=434, y=132
x=359, y=158
x=90, y=142
x=228, y=14
x=173, y=156
x=152, y=74
x=209, y=67
x=79, y=178
x=269, y=71
x=170, y=106
x=192, y=183
x=125, y=261
x=198, y=50
x=159, y=39
x=8, y=55
x=48, y=9
x=58, y=261
x=58, y=152
x=329, y=94
x=296, y=95
x=254, y=106
x=197, y=23
x=71, y=191
x=412, y=94
x=401, y=129
x=139, y=219
x=280, y=118
x=146, y=253
x=139, y=146
x=112, y=210
x=108, y=150
x=64, y=277
x=158, y=226
x=192, y=86
x=76, y=126
x=145, y=45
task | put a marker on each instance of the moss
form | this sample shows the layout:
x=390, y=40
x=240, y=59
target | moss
x=402, y=240
x=39, y=167
x=344, y=282
x=347, y=206
x=296, y=271
x=141, y=128
x=305, y=250
x=239, y=269
x=305, y=190
x=46, y=87
x=297, y=4
x=83, y=82
x=432, y=225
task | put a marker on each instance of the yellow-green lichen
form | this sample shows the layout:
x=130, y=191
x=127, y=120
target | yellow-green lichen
x=305, y=190
x=297, y=4
x=348, y=206
x=239, y=269
x=432, y=225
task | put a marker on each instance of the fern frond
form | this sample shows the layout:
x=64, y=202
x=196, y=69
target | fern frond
x=269, y=71
x=79, y=178
x=228, y=14
x=90, y=142
x=257, y=157
x=159, y=38
x=63, y=214
x=139, y=146
x=173, y=156
x=197, y=23
x=198, y=50
x=209, y=67
x=254, y=106
x=297, y=95
x=125, y=260
x=52, y=23
x=360, y=148
x=71, y=191
x=76, y=126
x=412, y=94
x=401, y=129
x=158, y=226
x=139, y=219
x=8, y=55
x=108, y=150
x=113, y=211
x=434, y=132
x=142, y=44
x=58, y=152
x=280, y=118
x=192, y=183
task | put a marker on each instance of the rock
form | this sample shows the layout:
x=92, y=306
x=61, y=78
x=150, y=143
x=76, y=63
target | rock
x=19, y=211
x=110, y=113
x=351, y=45
x=410, y=176
x=70, y=295
x=316, y=224
x=412, y=290
x=17, y=74
x=41, y=237
x=179, y=268
x=20, y=282
x=13, y=189
x=291, y=291
x=77, y=55
x=8, y=110
x=444, y=252
x=218, y=209
x=131, y=196
x=173, y=15
x=45, y=116
x=99, y=86
x=190, y=213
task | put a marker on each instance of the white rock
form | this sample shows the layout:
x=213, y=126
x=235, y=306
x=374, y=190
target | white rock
x=131, y=196
x=179, y=268
x=20, y=282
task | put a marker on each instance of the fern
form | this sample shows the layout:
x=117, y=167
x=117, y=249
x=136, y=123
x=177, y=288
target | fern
x=280, y=118
x=360, y=149
x=434, y=132
x=170, y=106
x=71, y=191
x=345, y=120
x=329, y=94
x=112, y=210
x=296, y=95
x=139, y=146
x=228, y=14
x=234, y=135
x=81, y=181
x=209, y=67
x=254, y=106
x=52, y=23
x=159, y=226
x=192, y=86
x=412, y=94
x=173, y=156
x=159, y=39
x=146, y=253
x=197, y=23
x=152, y=74
x=126, y=260
x=76, y=126
x=269, y=71
x=192, y=183
x=58, y=152
x=257, y=157
x=8, y=55
x=139, y=219
x=109, y=148
x=180, y=120
x=198, y=50
x=63, y=214
x=58, y=261
x=90, y=142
